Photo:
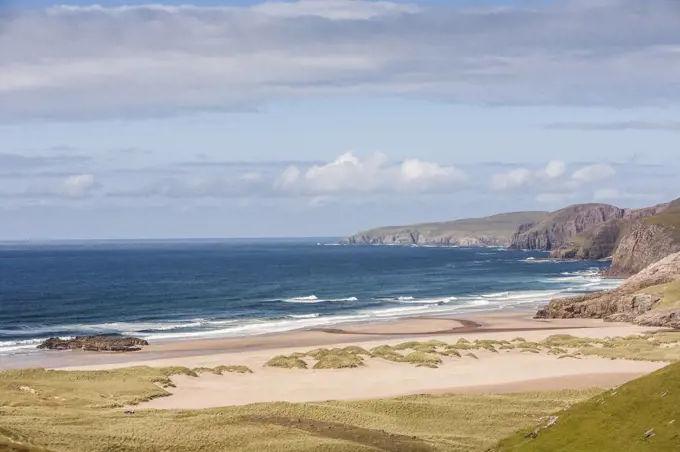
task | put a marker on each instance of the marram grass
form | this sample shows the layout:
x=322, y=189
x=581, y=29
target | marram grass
x=60, y=411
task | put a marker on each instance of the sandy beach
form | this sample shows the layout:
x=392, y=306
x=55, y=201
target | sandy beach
x=507, y=371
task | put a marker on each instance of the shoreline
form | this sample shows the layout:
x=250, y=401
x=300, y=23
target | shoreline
x=418, y=327
x=486, y=371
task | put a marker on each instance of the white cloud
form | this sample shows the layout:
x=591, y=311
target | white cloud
x=522, y=177
x=159, y=60
x=555, y=169
x=78, y=186
x=593, y=173
x=334, y=9
x=512, y=179
x=346, y=175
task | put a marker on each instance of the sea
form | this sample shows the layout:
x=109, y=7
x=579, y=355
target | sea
x=181, y=290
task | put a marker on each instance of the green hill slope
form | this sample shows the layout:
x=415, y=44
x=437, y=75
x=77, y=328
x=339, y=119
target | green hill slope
x=643, y=415
x=493, y=230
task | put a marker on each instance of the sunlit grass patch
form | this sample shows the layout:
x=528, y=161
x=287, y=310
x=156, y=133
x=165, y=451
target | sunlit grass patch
x=641, y=415
x=387, y=353
x=232, y=369
x=423, y=359
x=286, y=362
x=341, y=360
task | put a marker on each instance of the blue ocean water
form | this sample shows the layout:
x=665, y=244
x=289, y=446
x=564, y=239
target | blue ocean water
x=182, y=290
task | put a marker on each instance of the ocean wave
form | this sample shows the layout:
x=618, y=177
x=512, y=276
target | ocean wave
x=593, y=271
x=304, y=316
x=496, y=295
x=480, y=302
x=257, y=327
x=413, y=300
x=315, y=299
x=24, y=344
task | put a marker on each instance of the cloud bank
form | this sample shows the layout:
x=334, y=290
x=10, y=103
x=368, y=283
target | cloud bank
x=155, y=60
x=347, y=175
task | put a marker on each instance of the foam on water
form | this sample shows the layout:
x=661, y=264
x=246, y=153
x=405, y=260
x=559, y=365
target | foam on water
x=414, y=300
x=315, y=299
x=26, y=345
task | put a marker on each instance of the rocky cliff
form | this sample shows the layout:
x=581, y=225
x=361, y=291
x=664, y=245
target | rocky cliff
x=596, y=243
x=496, y=230
x=637, y=300
x=565, y=224
x=601, y=240
x=647, y=240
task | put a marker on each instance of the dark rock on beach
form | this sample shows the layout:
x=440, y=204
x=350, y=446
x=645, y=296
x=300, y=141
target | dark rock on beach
x=628, y=303
x=95, y=343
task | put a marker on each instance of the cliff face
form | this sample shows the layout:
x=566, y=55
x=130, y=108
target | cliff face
x=647, y=240
x=596, y=243
x=563, y=225
x=495, y=230
x=601, y=240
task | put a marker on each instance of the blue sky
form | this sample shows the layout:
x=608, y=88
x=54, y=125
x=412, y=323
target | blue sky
x=320, y=118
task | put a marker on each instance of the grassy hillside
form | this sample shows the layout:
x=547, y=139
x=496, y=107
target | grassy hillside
x=56, y=411
x=670, y=294
x=643, y=415
x=501, y=226
x=669, y=218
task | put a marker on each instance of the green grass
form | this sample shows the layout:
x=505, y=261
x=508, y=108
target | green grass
x=339, y=361
x=82, y=412
x=423, y=359
x=616, y=420
x=387, y=353
x=287, y=362
x=651, y=347
x=669, y=293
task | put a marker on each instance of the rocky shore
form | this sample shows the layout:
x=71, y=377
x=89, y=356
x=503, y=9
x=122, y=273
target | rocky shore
x=95, y=344
x=640, y=300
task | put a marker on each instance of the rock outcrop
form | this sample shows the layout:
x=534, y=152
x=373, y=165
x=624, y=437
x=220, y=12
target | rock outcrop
x=496, y=230
x=628, y=302
x=563, y=225
x=95, y=343
x=668, y=318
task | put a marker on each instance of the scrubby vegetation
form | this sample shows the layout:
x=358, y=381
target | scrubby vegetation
x=340, y=360
x=58, y=411
x=286, y=362
x=663, y=346
x=642, y=415
x=220, y=370
x=423, y=359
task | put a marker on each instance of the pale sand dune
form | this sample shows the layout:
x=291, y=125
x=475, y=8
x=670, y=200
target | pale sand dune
x=506, y=371
x=386, y=379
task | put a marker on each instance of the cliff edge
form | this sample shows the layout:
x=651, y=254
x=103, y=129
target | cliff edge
x=563, y=225
x=496, y=230
x=602, y=240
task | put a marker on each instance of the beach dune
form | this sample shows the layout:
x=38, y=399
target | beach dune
x=487, y=371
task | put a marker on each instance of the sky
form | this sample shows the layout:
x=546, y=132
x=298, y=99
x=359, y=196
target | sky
x=128, y=119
